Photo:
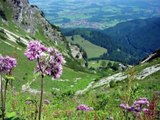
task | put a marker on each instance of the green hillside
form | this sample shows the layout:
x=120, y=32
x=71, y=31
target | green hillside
x=87, y=46
x=100, y=63
x=102, y=88
x=74, y=76
x=103, y=98
x=13, y=42
x=107, y=97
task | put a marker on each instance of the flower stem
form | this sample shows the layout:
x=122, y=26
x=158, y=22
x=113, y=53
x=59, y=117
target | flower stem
x=5, y=91
x=41, y=96
x=126, y=115
x=2, y=100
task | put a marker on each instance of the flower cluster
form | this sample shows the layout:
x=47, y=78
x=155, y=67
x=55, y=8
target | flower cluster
x=7, y=64
x=83, y=107
x=35, y=50
x=138, y=106
x=49, y=60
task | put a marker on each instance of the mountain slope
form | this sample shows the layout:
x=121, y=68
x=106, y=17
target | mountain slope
x=137, y=81
x=142, y=71
x=87, y=46
x=137, y=38
x=127, y=42
x=17, y=27
x=28, y=20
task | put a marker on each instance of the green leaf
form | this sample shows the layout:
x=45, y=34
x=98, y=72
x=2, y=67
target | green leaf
x=9, y=77
x=11, y=114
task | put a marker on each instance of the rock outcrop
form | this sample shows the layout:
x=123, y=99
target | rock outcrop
x=152, y=56
x=32, y=20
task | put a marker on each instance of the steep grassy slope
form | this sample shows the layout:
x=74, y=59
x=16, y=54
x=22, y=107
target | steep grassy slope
x=137, y=38
x=72, y=78
x=13, y=40
x=108, y=97
x=87, y=46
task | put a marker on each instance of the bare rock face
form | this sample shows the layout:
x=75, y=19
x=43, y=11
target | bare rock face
x=75, y=51
x=79, y=54
x=31, y=19
x=152, y=56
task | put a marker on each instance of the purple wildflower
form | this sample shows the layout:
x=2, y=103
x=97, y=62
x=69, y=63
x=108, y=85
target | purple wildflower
x=141, y=102
x=42, y=67
x=83, y=107
x=122, y=105
x=145, y=110
x=7, y=64
x=49, y=67
x=59, y=58
x=35, y=50
x=51, y=51
x=55, y=56
x=50, y=60
x=57, y=72
x=48, y=71
x=126, y=107
x=138, y=107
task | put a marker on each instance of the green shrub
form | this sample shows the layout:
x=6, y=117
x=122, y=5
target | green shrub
x=112, y=84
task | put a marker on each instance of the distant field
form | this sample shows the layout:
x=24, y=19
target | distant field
x=91, y=49
x=97, y=15
x=98, y=63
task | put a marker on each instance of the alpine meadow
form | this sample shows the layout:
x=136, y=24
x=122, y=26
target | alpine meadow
x=80, y=60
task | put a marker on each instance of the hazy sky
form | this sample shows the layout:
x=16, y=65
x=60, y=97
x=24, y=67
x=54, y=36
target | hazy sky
x=42, y=3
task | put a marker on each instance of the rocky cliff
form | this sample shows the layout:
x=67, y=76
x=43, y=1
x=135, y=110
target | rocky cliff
x=32, y=20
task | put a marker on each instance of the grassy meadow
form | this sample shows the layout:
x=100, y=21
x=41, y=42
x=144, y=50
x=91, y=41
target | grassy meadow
x=91, y=49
